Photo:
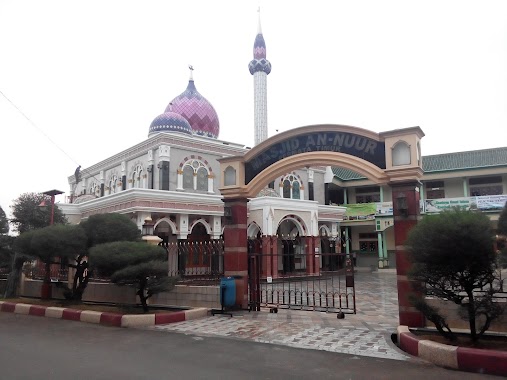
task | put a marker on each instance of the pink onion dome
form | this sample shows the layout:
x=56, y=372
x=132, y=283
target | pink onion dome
x=197, y=110
x=170, y=122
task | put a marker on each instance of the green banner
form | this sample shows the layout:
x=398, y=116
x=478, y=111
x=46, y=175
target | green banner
x=361, y=211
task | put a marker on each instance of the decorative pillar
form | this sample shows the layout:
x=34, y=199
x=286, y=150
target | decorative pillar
x=274, y=255
x=310, y=254
x=406, y=215
x=384, y=250
x=380, y=250
x=316, y=254
x=179, y=185
x=267, y=258
x=210, y=184
x=235, y=241
x=465, y=187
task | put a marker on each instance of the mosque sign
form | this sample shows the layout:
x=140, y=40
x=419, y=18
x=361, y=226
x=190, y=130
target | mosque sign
x=356, y=145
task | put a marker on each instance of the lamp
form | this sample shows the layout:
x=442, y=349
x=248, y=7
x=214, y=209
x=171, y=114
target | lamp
x=402, y=204
x=148, y=226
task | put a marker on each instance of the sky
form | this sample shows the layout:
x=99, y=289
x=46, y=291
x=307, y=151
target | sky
x=82, y=80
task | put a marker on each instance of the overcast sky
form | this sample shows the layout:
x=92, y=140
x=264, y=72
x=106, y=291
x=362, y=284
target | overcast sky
x=92, y=75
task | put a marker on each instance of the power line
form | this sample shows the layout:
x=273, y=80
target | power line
x=43, y=133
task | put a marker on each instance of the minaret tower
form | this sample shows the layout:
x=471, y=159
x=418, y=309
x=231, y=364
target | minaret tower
x=260, y=67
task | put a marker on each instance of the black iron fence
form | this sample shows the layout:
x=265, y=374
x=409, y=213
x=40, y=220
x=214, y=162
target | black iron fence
x=300, y=274
x=193, y=262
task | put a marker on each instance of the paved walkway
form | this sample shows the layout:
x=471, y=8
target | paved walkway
x=367, y=333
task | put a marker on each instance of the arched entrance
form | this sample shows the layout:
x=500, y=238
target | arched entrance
x=373, y=155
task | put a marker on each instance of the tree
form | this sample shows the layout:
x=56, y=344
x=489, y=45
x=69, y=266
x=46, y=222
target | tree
x=452, y=254
x=502, y=236
x=27, y=214
x=4, y=223
x=60, y=241
x=6, y=241
x=502, y=221
x=136, y=264
x=99, y=229
x=106, y=228
x=22, y=252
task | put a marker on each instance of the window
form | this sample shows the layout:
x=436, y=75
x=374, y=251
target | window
x=401, y=153
x=291, y=187
x=368, y=194
x=195, y=176
x=485, y=186
x=188, y=178
x=113, y=184
x=368, y=242
x=136, y=176
x=202, y=179
x=230, y=176
x=434, y=189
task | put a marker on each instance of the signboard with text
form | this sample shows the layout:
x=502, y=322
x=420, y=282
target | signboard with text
x=349, y=143
x=483, y=203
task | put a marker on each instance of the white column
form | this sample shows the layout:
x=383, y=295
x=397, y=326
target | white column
x=179, y=185
x=217, y=227
x=182, y=224
x=210, y=184
x=260, y=107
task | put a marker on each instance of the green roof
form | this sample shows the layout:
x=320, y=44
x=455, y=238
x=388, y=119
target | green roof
x=474, y=159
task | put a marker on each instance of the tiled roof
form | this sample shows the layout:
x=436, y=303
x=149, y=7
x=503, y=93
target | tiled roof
x=465, y=160
x=474, y=159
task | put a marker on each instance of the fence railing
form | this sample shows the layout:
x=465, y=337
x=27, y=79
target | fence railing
x=193, y=262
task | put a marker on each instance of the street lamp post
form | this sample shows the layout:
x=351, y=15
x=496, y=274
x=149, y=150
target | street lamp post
x=46, y=284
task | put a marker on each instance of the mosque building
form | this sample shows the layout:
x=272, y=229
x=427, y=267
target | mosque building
x=171, y=181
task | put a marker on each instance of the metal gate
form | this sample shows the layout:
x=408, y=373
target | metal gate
x=287, y=275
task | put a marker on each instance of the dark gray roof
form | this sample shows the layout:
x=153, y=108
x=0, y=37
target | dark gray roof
x=474, y=159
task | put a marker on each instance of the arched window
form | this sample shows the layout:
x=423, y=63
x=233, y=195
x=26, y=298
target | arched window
x=94, y=189
x=295, y=190
x=401, y=154
x=196, y=176
x=286, y=189
x=188, y=178
x=112, y=184
x=202, y=179
x=136, y=178
x=291, y=187
x=230, y=176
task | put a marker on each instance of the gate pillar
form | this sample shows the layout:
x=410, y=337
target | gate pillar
x=406, y=214
x=235, y=245
x=269, y=268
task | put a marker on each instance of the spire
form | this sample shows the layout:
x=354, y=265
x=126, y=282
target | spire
x=260, y=67
x=191, y=72
x=259, y=29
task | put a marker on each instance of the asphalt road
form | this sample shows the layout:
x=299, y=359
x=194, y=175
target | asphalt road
x=47, y=348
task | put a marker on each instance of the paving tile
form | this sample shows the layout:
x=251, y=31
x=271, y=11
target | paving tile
x=366, y=333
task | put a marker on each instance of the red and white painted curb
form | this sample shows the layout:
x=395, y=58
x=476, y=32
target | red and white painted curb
x=461, y=358
x=103, y=318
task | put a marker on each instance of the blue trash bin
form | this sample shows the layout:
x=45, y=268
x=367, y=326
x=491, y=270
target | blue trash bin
x=227, y=291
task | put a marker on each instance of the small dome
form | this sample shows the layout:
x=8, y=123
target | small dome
x=170, y=122
x=199, y=112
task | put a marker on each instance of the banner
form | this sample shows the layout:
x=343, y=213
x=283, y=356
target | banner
x=483, y=203
x=360, y=211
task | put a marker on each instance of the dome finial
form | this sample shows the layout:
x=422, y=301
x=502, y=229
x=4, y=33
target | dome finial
x=191, y=72
x=259, y=29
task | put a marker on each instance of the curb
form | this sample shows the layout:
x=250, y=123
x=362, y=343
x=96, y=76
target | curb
x=460, y=358
x=103, y=318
